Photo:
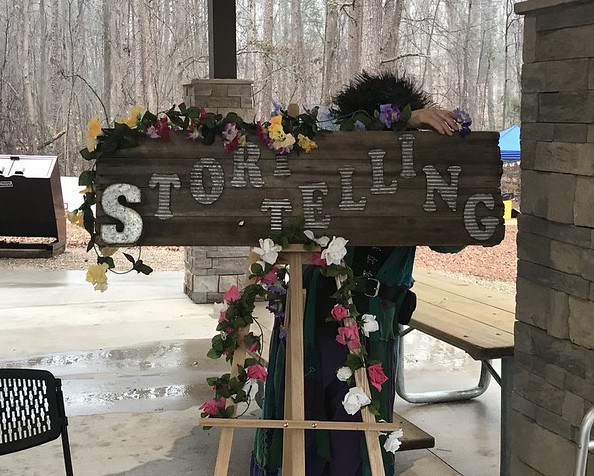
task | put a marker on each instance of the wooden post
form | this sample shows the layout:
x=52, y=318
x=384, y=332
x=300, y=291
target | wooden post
x=222, y=44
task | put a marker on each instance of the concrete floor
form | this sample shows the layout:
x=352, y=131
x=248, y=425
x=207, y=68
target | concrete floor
x=133, y=363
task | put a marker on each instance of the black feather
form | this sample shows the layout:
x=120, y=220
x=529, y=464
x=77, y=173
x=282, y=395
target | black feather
x=366, y=92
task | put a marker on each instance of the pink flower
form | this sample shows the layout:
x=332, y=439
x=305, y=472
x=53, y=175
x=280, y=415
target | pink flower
x=253, y=347
x=257, y=372
x=232, y=295
x=269, y=277
x=211, y=406
x=339, y=312
x=223, y=316
x=376, y=375
x=349, y=336
x=317, y=259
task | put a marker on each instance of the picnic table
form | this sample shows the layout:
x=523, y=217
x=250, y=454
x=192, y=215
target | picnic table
x=477, y=320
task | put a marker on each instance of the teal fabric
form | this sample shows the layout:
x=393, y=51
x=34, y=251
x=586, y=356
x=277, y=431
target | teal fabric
x=396, y=270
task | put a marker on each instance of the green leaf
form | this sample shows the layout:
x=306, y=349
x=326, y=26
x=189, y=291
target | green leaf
x=129, y=258
x=374, y=407
x=354, y=362
x=107, y=260
x=211, y=381
x=86, y=154
x=214, y=354
x=89, y=220
x=86, y=178
x=91, y=243
x=140, y=267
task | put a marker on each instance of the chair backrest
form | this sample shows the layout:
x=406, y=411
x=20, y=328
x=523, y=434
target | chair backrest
x=31, y=411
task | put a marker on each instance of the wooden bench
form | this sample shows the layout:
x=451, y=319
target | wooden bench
x=413, y=438
x=477, y=320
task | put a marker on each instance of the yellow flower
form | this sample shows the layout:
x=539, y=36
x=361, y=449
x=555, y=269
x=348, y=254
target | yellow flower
x=275, y=129
x=96, y=275
x=287, y=142
x=241, y=141
x=94, y=129
x=108, y=250
x=76, y=218
x=88, y=189
x=306, y=143
x=136, y=114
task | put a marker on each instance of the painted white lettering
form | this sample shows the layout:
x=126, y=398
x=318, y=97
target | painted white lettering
x=131, y=220
x=164, y=182
x=407, y=142
x=276, y=208
x=244, y=162
x=312, y=205
x=435, y=182
x=197, y=182
x=484, y=228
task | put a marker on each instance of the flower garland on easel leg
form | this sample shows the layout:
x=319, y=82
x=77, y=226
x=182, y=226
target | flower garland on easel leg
x=269, y=280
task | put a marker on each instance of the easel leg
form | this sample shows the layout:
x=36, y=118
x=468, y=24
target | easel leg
x=294, y=440
x=224, y=453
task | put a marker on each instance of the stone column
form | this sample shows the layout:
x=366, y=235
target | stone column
x=554, y=334
x=211, y=270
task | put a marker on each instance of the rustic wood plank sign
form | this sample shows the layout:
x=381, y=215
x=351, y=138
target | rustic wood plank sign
x=373, y=188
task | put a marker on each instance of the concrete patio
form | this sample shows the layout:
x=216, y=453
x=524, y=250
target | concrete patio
x=133, y=363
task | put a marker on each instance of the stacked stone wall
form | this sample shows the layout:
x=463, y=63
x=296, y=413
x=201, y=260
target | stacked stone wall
x=554, y=335
x=212, y=270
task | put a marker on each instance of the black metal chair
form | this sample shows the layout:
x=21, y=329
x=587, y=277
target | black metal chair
x=32, y=411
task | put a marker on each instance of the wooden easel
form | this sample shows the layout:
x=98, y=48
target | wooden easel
x=294, y=423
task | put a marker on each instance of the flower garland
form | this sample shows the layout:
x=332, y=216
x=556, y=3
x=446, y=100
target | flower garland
x=283, y=133
x=269, y=281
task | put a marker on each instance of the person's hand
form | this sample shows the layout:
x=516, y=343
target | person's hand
x=440, y=120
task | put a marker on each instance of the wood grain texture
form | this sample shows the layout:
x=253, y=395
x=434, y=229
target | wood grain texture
x=397, y=217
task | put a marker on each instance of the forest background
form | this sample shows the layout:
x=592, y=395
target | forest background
x=65, y=61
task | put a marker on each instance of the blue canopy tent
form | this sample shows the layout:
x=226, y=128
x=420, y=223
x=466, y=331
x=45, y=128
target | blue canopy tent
x=509, y=143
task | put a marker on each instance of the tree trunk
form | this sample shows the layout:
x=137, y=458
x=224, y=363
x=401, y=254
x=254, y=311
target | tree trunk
x=390, y=34
x=107, y=59
x=28, y=76
x=370, y=39
x=330, y=51
x=297, y=47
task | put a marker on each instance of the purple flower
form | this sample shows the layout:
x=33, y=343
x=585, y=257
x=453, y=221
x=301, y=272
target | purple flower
x=462, y=117
x=465, y=121
x=276, y=108
x=389, y=114
x=359, y=126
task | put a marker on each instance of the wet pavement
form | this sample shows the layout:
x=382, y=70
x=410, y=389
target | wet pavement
x=133, y=363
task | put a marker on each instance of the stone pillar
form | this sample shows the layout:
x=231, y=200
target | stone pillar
x=554, y=334
x=211, y=270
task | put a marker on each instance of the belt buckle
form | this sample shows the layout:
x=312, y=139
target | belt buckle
x=375, y=292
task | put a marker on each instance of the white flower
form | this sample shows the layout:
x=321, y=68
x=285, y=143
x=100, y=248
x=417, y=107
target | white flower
x=393, y=441
x=336, y=250
x=344, y=373
x=268, y=250
x=322, y=240
x=251, y=388
x=223, y=335
x=369, y=324
x=354, y=400
x=217, y=307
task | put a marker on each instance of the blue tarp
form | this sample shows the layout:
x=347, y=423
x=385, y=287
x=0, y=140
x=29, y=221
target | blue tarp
x=509, y=143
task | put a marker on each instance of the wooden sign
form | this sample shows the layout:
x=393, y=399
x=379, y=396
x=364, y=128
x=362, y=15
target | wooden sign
x=372, y=188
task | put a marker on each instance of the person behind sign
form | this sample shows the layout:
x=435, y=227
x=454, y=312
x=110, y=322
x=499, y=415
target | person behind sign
x=383, y=289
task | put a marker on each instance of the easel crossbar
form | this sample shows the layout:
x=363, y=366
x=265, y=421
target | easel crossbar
x=299, y=424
